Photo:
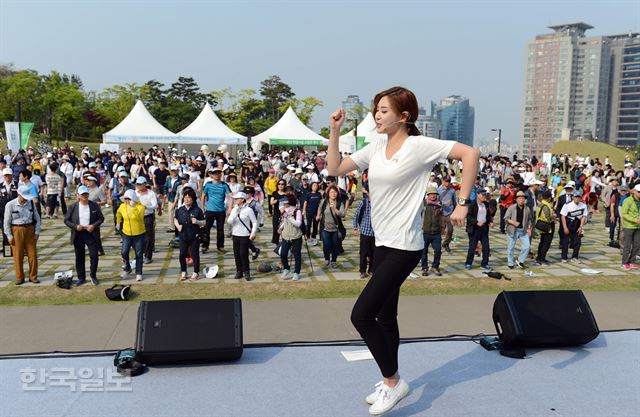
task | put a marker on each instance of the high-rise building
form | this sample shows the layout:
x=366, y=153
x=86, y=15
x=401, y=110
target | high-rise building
x=353, y=108
x=429, y=125
x=456, y=117
x=568, y=87
x=624, y=129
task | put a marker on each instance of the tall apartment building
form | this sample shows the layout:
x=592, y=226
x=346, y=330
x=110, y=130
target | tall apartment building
x=428, y=124
x=568, y=87
x=624, y=129
x=457, y=119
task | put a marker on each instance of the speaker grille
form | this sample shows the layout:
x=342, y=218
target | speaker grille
x=544, y=318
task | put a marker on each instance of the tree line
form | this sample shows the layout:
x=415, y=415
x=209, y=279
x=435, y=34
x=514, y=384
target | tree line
x=60, y=107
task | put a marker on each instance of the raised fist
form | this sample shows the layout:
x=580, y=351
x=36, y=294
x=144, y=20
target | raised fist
x=337, y=119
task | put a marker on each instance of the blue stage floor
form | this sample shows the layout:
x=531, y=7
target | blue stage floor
x=450, y=378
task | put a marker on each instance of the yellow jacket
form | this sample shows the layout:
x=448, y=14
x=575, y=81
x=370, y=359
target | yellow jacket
x=131, y=218
x=271, y=184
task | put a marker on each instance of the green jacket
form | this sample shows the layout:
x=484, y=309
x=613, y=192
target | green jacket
x=630, y=213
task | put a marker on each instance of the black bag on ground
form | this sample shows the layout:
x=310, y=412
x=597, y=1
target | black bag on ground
x=118, y=292
x=127, y=363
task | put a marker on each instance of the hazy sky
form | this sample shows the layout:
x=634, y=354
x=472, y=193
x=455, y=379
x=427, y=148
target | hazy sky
x=326, y=49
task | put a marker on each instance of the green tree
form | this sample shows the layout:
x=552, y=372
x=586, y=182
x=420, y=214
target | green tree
x=184, y=101
x=245, y=114
x=275, y=93
x=304, y=108
x=114, y=103
x=357, y=112
x=324, y=132
x=24, y=87
x=64, y=104
x=154, y=98
x=6, y=71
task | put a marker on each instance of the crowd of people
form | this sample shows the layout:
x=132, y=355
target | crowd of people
x=232, y=196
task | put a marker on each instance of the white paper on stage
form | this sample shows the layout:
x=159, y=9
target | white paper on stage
x=357, y=355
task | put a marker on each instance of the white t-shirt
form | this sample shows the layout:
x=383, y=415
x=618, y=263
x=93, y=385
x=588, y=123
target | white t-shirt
x=84, y=214
x=396, y=188
x=574, y=211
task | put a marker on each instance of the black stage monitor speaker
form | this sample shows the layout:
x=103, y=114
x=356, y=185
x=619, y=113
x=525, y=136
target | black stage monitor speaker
x=189, y=331
x=543, y=318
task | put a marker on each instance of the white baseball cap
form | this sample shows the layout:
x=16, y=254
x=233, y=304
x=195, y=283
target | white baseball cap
x=570, y=184
x=240, y=194
x=637, y=187
x=131, y=195
x=211, y=271
x=7, y=171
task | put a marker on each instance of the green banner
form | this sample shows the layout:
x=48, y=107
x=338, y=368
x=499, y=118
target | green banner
x=296, y=142
x=360, y=143
x=25, y=131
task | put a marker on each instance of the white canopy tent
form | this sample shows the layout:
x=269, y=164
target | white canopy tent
x=366, y=130
x=288, y=131
x=139, y=127
x=208, y=129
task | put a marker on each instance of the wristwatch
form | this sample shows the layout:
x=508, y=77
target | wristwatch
x=464, y=201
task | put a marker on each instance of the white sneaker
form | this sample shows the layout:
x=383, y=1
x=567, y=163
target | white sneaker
x=389, y=397
x=125, y=274
x=285, y=274
x=371, y=398
x=139, y=277
x=296, y=277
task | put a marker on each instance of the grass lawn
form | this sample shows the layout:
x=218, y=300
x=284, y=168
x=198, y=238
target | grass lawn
x=48, y=295
x=595, y=149
x=93, y=146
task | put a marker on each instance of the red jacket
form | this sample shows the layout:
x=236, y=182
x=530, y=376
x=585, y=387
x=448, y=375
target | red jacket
x=507, y=196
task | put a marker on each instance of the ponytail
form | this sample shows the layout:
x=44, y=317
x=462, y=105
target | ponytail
x=413, y=130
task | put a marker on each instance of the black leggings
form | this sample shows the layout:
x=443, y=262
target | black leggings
x=312, y=226
x=375, y=313
x=189, y=249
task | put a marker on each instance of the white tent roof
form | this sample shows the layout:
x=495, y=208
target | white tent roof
x=289, y=130
x=139, y=126
x=366, y=128
x=208, y=128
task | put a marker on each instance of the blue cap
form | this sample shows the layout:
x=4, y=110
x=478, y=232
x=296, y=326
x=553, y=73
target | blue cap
x=25, y=192
x=141, y=180
x=83, y=189
x=577, y=193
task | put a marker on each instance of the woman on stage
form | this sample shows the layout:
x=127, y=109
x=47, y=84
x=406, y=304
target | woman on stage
x=398, y=175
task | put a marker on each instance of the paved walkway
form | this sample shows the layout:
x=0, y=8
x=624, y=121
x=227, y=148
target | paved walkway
x=55, y=253
x=113, y=326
